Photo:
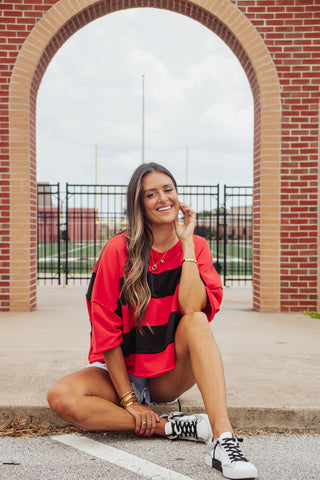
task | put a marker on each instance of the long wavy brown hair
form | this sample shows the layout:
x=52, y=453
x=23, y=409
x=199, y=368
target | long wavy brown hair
x=135, y=290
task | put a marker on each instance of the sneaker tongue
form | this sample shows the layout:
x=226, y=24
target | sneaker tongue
x=225, y=435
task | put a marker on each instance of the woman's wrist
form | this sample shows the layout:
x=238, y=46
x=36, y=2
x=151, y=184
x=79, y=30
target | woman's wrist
x=129, y=398
x=188, y=249
x=192, y=260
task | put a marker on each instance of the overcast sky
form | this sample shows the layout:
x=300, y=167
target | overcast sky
x=196, y=96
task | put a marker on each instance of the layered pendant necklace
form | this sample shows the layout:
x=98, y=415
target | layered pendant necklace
x=161, y=261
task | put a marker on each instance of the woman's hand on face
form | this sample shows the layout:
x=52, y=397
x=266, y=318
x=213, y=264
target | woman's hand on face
x=185, y=231
x=145, y=418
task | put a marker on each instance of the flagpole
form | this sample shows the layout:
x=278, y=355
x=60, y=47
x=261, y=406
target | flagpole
x=142, y=156
x=187, y=165
x=95, y=176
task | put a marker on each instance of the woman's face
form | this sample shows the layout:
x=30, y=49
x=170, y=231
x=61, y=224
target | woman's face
x=160, y=199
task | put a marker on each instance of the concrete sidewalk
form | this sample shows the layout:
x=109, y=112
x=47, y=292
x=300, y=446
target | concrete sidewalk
x=272, y=361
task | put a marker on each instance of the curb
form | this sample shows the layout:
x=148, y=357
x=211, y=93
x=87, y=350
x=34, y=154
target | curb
x=299, y=419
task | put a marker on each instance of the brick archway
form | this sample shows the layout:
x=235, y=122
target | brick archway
x=63, y=19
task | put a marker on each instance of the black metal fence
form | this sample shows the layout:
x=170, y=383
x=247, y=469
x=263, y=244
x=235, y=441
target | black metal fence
x=74, y=226
x=237, y=234
x=48, y=232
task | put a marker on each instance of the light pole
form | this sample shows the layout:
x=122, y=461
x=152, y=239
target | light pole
x=187, y=173
x=142, y=153
x=187, y=165
x=95, y=176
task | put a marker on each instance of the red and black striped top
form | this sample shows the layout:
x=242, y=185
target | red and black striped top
x=152, y=353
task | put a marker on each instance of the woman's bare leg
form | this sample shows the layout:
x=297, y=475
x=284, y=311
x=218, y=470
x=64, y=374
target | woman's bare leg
x=198, y=360
x=88, y=400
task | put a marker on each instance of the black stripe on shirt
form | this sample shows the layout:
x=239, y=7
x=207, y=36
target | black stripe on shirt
x=89, y=291
x=164, y=284
x=151, y=342
x=161, y=285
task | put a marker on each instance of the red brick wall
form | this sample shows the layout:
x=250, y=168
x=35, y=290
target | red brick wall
x=279, y=50
x=291, y=32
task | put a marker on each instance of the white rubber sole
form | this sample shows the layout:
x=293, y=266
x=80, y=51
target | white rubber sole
x=229, y=472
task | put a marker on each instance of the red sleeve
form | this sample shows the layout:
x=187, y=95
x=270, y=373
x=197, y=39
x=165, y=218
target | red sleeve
x=106, y=323
x=209, y=276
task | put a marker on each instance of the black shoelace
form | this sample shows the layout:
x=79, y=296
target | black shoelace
x=231, y=446
x=184, y=429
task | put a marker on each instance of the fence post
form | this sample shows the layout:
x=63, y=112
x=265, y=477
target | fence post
x=58, y=235
x=225, y=235
x=67, y=233
x=218, y=223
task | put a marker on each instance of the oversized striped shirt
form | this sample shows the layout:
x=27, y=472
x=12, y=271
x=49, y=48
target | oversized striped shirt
x=150, y=353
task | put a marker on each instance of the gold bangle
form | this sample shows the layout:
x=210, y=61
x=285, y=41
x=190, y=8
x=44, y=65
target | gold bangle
x=127, y=400
x=128, y=394
x=190, y=260
x=127, y=397
x=130, y=403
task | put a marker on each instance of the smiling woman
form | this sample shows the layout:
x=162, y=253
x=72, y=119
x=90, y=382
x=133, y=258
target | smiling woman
x=153, y=294
x=196, y=95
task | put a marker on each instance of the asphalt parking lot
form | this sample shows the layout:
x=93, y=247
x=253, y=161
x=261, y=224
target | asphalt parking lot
x=126, y=457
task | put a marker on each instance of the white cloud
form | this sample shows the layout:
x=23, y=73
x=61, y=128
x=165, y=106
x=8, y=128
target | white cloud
x=196, y=95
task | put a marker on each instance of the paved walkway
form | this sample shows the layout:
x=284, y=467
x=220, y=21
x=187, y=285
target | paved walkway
x=271, y=360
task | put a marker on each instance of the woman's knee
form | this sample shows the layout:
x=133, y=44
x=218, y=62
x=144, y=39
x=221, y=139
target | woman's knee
x=62, y=400
x=195, y=323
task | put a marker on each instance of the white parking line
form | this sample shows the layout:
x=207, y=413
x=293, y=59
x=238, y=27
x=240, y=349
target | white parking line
x=120, y=458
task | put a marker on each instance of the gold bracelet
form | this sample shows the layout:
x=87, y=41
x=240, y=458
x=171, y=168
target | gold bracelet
x=130, y=403
x=190, y=260
x=127, y=397
x=128, y=393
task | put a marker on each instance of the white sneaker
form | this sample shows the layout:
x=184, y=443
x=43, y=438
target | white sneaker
x=226, y=456
x=188, y=427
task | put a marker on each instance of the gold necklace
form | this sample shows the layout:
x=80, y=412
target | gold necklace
x=155, y=264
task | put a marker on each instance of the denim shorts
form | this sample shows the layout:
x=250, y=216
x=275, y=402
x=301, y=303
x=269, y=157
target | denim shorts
x=140, y=386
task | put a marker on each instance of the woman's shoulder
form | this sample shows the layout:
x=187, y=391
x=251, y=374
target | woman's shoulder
x=117, y=242
x=115, y=250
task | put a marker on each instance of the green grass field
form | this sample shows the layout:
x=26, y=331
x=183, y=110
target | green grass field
x=75, y=249
x=82, y=257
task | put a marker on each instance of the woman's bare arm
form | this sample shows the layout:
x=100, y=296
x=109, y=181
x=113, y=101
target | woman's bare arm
x=192, y=294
